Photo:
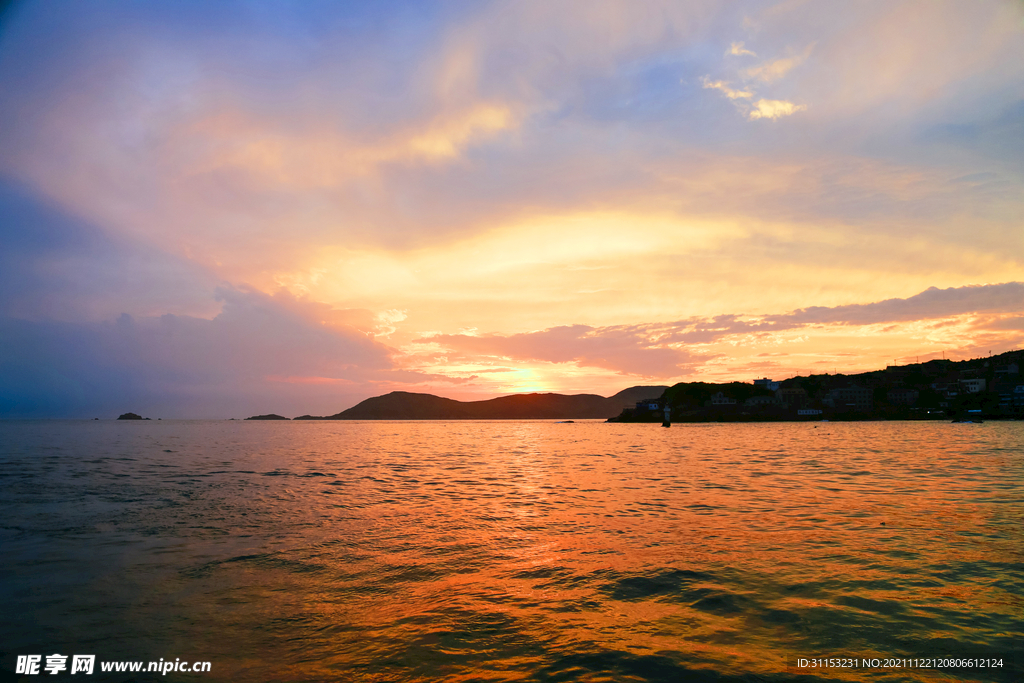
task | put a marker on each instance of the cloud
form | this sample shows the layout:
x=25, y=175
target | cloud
x=932, y=303
x=994, y=301
x=764, y=73
x=623, y=349
x=680, y=348
x=773, y=109
x=54, y=265
x=267, y=154
x=387, y=321
x=1015, y=323
x=183, y=366
x=364, y=135
x=724, y=87
x=738, y=50
x=769, y=72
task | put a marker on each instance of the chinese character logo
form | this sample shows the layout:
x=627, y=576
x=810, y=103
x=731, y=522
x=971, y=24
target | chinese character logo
x=28, y=664
x=82, y=664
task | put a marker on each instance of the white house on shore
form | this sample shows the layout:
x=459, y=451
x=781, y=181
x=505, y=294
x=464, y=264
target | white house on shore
x=972, y=386
x=720, y=399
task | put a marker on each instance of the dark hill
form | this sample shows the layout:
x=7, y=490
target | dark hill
x=271, y=416
x=403, y=405
x=629, y=397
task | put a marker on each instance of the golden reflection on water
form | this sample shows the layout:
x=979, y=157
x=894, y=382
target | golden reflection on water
x=540, y=551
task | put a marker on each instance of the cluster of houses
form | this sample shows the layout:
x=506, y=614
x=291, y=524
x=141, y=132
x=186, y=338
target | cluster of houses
x=851, y=397
x=940, y=386
x=1002, y=386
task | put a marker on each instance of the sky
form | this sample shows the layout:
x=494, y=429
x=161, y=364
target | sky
x=222, y=209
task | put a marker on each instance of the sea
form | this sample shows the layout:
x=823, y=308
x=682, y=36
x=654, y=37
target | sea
x=511, y=551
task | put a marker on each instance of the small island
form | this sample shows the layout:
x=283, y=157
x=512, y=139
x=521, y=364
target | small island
x=271, y=416
x=132, y=416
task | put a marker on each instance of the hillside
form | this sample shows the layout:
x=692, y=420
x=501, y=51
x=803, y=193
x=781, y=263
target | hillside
x=989, y=387
x=403, y=405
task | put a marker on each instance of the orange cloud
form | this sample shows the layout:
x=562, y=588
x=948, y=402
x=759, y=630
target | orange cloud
x=693, y=347
x=626, y=350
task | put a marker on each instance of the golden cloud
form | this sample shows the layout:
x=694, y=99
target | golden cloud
x=773, y=109
x=726, y=90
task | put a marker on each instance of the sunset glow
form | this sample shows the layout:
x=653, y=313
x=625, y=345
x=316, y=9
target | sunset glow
x=219, y=210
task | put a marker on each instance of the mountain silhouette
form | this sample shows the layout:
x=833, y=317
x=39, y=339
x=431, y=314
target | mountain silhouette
x=404, y=405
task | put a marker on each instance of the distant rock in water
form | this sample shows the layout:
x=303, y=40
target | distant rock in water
x=267, y=417
x=309, y=417
x=132, y=416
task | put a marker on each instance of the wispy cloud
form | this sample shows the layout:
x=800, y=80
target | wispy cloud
x=738, y=50
x=773, y=109
x=773, y=70
x=731, y=93
x=762, y=74
x=387, y=321
x=269, y=154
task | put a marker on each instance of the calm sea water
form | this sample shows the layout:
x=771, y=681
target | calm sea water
x=493, y=551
